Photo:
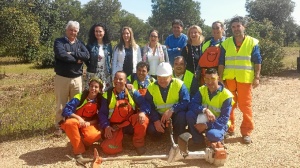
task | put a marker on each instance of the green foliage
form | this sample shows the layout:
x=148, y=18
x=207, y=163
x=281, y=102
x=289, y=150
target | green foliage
x=46, y=58
x=164, y=12
x=19, y=33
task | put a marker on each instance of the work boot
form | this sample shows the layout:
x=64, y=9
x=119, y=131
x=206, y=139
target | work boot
x=247, y=139
x=140, y=150
x=228, y=134
x=81, y=160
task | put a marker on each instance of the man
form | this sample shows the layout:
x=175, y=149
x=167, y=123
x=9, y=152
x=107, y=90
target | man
x=168, y=98
x=117, y=115
x=188, y=78
x=70, y=53
x=209, y=111
x=141, y=80
x=176, y=41
x=239, y=69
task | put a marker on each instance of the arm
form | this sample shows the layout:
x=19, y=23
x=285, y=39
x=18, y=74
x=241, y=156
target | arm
x=257, y=59
x=141, y=102
x=221, y=64
x=103, y=114
x=61, y=53
x=222, y=120
x=139, y=55
x=154, y=115
x=114, y=61
x=166, y=56
x=82, y=53
x=184, y=99
x=196, y=104
x=194, y=87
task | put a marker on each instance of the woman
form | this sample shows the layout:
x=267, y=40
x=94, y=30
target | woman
x=100, y=50
x=192, y=51
x=154, y=53
x=211, y=49
x=81, y=119
x=126, y=53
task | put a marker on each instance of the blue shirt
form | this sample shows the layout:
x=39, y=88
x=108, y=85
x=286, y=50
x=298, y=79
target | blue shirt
x=184, y=99
x=173, y=44
x=196, y=106
x=144, y=84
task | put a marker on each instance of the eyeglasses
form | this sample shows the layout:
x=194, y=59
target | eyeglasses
x=153, y=36
x=210, y=79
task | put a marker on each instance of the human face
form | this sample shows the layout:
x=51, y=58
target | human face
x=237, y=29
x=94, y=89
x=217, y=30
x=142, y=73
x=179, y=67
x=120, y=81
x=99, y=33
x=164, y=81
x=71, y=33
x=126, y=36
x=153, y=38
x=211, y=81
x=194, y=34
x=177, y=29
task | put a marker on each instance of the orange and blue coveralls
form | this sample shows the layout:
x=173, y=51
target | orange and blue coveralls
x=80, y=136
x=120, y=111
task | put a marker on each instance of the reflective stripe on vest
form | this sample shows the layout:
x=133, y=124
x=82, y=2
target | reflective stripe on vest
x=113, y=102
x=238, y=65
x=215, y=104
x=172, y=97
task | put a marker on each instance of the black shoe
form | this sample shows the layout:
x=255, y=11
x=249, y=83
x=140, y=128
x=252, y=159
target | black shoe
x=196, y=146
x=228, y=134
x=247, y=139
x=140, y=150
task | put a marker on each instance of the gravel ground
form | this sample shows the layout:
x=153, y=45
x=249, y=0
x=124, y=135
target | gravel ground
x=276, y=105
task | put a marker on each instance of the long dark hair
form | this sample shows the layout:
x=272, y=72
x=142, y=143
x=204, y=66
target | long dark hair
x=92, y=39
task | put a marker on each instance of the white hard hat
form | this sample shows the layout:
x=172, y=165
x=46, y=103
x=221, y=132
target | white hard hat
x=164, y=69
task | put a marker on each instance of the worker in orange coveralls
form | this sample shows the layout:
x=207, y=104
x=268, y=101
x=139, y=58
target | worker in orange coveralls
x=81, y=119
x=118, y=115
x=239, y=69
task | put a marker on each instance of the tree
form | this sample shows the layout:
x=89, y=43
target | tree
x=290, y=28
x=277, y=11
x=19, y=33
x=165, y=11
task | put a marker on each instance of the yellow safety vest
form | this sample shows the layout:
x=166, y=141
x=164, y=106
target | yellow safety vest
x=113, y=102
x=172, y=97
x=78, y=96
x=187, y=79
x=238, y=65
x=136, y=84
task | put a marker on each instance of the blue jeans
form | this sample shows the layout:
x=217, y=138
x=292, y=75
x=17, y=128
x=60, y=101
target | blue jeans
x=179, y=124
x=213, y=135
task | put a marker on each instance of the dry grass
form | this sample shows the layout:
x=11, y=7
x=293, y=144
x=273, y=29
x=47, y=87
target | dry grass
x=290, y=57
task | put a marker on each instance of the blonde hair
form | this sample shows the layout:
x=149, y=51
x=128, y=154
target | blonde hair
x=121, y=43
x=201, y=37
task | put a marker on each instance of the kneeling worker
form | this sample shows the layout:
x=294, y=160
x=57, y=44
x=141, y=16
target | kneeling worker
x=209, y=111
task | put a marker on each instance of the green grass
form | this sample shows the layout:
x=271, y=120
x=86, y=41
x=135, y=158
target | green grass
x=290, y=57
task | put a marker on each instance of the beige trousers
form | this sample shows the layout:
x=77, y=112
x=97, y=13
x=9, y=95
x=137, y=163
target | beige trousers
x=65, y=89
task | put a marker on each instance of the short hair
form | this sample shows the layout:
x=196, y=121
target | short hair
x=211, y=71
x=177, y=21
x=143, y=64
x=218, y=21
x=72, y=23
x=180, y=57
x=92, y=39
x=238, y=19
x=199, y=30
x=122, y=73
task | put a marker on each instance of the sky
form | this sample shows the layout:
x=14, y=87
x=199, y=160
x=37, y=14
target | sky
x=222, y=9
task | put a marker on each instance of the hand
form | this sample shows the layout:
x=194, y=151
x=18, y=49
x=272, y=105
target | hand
x=159, y=126
x=108, y=132
x=166, y=116
x=210, y=116
x=87, y=124
x=79, y=62
x=255, y=83
x=200, y=127
x=129, y=86
x=81, y=121
x=69, y=53
x=142, y=117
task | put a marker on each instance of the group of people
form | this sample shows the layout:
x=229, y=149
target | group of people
x=196, y=83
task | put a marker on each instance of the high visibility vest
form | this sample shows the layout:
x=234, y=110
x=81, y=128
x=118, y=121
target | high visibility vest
x=86, y=109
x=187, y=79
x=238, y=65
x=215, y=104
x=172, y=97
x=113, y=102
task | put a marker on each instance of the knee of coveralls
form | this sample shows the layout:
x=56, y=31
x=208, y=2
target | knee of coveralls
x=215, y=135
x=71, y=128
x=139, y=130
x=191, y=119
x=152, y=132
x=231, y=85
x=179, y=123
x=245, y=105
x=90, y=134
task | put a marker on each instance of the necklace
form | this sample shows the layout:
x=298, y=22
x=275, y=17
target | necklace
x=196, y=55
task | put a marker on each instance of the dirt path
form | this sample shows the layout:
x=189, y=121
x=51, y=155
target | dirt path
x=276, y=139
